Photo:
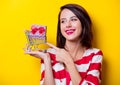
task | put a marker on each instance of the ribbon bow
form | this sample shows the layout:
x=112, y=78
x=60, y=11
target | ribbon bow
x=37, y=28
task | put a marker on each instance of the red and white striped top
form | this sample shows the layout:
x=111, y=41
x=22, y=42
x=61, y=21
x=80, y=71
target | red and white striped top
x=89, y=67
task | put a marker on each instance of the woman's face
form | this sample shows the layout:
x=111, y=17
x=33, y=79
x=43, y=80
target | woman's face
x=70, y=25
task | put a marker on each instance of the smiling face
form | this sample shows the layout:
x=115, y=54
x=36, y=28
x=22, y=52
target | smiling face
x=70, y=25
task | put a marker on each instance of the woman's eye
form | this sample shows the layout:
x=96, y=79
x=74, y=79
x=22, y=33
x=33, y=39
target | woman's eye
x=74, y=19
x=62, y=21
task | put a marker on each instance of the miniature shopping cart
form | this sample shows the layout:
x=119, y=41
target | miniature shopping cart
x=36, y=36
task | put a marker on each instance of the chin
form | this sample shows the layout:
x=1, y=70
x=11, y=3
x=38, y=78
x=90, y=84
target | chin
x=70, y=39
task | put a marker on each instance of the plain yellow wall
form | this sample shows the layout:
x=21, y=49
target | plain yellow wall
x=16, y=68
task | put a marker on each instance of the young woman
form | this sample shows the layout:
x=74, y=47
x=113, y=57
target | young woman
x=74, y=61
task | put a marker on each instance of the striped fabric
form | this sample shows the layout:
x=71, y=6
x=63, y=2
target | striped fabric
x=89, y=67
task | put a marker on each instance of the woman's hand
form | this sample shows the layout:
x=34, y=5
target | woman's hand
x=61, y=54
x=37, y=54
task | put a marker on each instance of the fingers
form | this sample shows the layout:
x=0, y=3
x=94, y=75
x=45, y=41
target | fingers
x=36, y=54
x=31, y=52
x=51, y=45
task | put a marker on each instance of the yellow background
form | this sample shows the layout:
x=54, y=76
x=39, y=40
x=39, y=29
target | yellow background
x=16, y=68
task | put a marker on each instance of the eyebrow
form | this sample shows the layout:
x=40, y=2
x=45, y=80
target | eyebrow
x=73, y=17
x=70, y=17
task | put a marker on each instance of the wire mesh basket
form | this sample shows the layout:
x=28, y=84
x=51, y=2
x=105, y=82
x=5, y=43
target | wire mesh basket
x=36, y=36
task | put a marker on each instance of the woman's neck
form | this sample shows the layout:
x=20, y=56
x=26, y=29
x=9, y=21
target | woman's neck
x=75, y=49
x=72, y=45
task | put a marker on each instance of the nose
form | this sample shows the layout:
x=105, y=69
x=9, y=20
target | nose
x=68, y=24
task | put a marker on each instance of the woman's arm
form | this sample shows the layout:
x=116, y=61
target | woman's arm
x=48, y=79
x=74, y=74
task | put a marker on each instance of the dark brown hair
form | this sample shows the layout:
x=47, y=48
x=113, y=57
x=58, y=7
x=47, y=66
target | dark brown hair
x=86, y=35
